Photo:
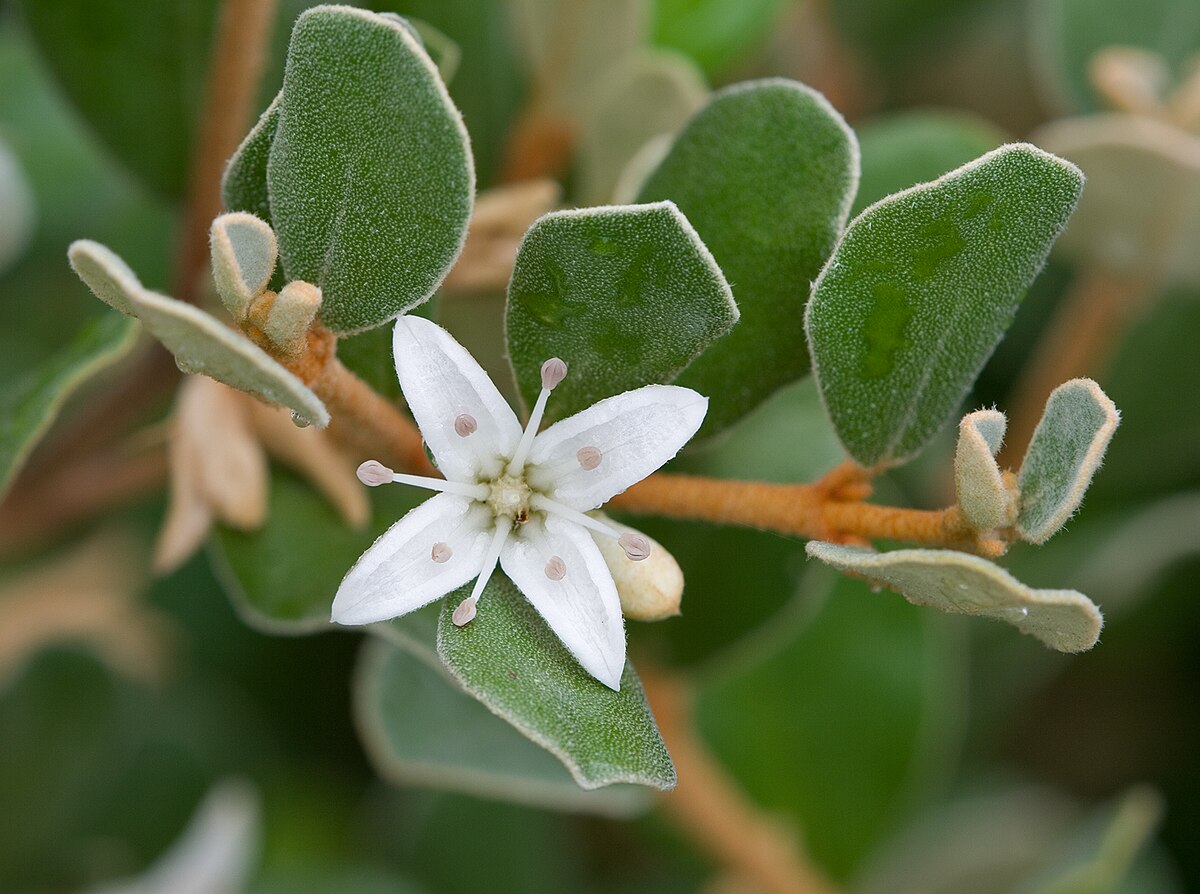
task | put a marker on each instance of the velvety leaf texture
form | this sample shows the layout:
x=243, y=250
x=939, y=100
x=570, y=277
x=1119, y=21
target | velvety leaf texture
x=627, y=295
x=969, y=585
x=978, y=481
x=370, y=174
x=766, y=173
x=920, y=290
x=1067, y=448
x=509, y=659
x=420, y=728
x=29, y=404
x=244, y=184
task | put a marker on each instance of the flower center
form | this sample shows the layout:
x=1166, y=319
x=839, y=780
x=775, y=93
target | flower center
x=509, y=497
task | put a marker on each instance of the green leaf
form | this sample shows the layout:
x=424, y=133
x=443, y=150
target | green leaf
x=1068, y=33
x=29, y=405
x=650, y=94
x=978, y=482
x=906, y=148
x=1067, y=448
x=855, y=705
x=969, y=585
x=420, y=728
x=370, y=173
x=136, y=69
x=920, y=291
x=510, y=660
x=244, y=183
x=626, y=295
x=282, y=577
x=18, y=215
x=200, y=343
x=766, y=173
x=1150, y=232
x=244, y=252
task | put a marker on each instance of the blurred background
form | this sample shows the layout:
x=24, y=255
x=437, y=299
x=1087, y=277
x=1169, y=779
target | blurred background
x=908, y=750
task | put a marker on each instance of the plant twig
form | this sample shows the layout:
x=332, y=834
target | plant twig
x=1080, y=341
x=714, y=813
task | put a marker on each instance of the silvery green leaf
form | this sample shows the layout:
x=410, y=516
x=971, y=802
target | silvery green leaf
x=30, y=403
x=1150, y=231
x=200, y=343
x=979, y=484
x=370, y=175
x=766, y=173
x=1067, y=448
x=920, y=290
x=243, y=258
x=510, y=660
x=964, y=584
x=648, y=95
x=445, y=53
x=419, y=728
x=17, y=212
x=244, y=183
x=627, y=295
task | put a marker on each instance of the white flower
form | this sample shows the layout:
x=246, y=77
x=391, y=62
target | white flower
x=514, y=497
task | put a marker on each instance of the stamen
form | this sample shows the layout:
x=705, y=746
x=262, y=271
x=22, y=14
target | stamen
x=537, y=501
x=466, y=609
x=373, y=473
x=461, y=488
x=636, y=546
x=589, y=458
x=556, y=568
x=465, y=425
x=553, y=372
x=441, y=553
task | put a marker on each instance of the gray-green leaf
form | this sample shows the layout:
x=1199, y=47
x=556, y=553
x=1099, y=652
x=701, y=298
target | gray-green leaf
x=420, y=728
x=964, y=584
x=30, y=404
x=510, y=660
x=979, y=484
x=920, y=290
x=766, y=173
x=370, y=174
x=626, y=295
x=243, y=251
x=17, y=211
x=244, y=183
x=201, y=344
x=1067, y=448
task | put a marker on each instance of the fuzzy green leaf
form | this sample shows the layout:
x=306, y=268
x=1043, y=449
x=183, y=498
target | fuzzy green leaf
x=626, y=295
x=200, y=343
x=1067, y=448
x=370, y=174
x=766, y=173
x=510, y=660
x=920, y=291
x=29, y=404
x=244, y=183
x=244, y=252
x=1150, y=232
x=978, y=481
x=420, y=728
x=136, y=69
x=969, y=585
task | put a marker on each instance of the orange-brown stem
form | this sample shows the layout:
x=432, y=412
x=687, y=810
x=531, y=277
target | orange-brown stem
x=1080, y=341
x=798, y=510
x=710, y=808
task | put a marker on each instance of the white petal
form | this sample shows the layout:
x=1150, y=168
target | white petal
x=635, y=432
x=582, y=608
x=398, y=575
x=441, y=382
